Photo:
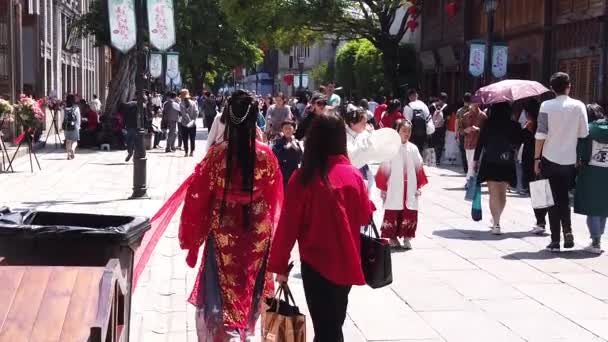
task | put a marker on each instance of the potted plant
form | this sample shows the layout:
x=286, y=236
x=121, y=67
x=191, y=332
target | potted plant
x=29, y=115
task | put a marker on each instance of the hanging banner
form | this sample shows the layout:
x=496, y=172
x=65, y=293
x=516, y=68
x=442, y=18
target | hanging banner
x=500, y=57
x=122, y=24
x=156, y=65
x=477, y=58
x=161, y=24
x=172, y=65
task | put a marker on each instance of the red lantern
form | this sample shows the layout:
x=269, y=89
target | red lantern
x=288, y=79
x=451, y=8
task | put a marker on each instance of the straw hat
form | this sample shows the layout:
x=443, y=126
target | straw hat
x=184, y=94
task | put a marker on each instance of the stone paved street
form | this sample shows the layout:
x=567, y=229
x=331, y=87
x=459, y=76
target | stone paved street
x=460, y=283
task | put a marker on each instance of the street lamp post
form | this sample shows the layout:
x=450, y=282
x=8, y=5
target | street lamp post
x=490, y=9
x=301, y=66
x=140, y=160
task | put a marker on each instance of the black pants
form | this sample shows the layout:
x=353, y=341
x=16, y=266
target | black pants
x=540, y=216
x=439, y=143
x=463, y=154
x=561, y=179
x=188, y=134
x=180, y=135
x=327, y=304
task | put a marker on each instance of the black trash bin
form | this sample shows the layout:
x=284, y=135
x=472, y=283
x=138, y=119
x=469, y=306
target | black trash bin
x=31, y=237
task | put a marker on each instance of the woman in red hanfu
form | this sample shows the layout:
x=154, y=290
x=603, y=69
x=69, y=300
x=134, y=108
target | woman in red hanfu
x=231, y=207
x=400, y=181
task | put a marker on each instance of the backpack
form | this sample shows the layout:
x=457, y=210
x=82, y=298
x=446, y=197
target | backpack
x=418, y=124
x=499, y=150
x=438, y=119
x=69, y=119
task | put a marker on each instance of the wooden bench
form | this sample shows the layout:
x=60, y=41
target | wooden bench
x=61, y=303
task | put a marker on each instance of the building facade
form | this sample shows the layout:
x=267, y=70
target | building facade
x=312, y=55
x=542, y=36
x=40, y=56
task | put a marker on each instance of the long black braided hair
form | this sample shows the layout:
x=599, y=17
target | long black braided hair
x=240, y=117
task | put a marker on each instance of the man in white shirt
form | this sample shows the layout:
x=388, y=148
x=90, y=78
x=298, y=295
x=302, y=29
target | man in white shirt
x=561, y=122
x=418, y=114
x=95, y=104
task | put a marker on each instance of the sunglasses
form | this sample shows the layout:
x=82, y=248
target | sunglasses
x=321, y=103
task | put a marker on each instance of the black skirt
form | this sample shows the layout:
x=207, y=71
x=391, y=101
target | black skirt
x=490, y=172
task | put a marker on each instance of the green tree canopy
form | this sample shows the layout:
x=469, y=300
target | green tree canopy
x=359, y=68
x=206, y=41
x=380, y=21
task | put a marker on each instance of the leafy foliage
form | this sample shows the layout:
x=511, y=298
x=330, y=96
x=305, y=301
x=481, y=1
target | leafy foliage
x=276, y=23
x=359, y=68
x=205, y=39
x=321, y=74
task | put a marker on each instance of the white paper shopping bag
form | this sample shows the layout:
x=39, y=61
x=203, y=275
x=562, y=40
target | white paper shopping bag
x=541, y=195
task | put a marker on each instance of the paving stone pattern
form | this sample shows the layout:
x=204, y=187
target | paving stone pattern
x=460, y=283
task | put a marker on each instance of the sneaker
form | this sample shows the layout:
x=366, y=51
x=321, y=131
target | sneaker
x=594, y=249
x=553, y=247
x=191, y=154
x=394, y=243
x=128, y=157
x=496, y=230
x=568, y=241
x=538, y=230
x=407, y=245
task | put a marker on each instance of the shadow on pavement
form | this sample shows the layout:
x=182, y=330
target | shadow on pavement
x=546, y=255
x=481, y=235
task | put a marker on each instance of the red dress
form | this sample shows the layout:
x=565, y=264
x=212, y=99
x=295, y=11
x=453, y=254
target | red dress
x=399, y=223
x=388, y=120
x=232, y=275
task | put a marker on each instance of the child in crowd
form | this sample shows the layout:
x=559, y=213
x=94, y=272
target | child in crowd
x=400, y=181
x=288, y=151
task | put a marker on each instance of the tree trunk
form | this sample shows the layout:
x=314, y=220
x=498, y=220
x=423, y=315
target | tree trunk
x=390, y=59
x=122, y=86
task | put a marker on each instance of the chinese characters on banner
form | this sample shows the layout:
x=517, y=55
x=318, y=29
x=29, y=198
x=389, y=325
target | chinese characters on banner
x=172, y=65
x=156, y=65
x=477, y=59
x=500, y=55
x=161, y=24
x=122, y=24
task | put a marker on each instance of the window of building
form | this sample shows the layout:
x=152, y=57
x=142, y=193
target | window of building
x=583, y=73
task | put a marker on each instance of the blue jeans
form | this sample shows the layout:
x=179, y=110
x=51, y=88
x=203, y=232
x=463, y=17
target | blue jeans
x=597, y=225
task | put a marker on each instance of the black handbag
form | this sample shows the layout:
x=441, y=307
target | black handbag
x=376, y=258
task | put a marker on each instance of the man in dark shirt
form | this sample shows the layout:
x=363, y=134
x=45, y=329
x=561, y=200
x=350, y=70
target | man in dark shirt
x=318, y=104
x=130, y=111
x=288, y=151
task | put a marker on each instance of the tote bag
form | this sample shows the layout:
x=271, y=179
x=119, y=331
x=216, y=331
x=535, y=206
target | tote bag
x=476, y=213
x=376, y=258
x=282, y=320
x=541, y=194
x=471, y=189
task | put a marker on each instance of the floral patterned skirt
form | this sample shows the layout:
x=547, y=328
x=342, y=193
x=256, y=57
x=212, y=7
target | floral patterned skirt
x=399, y=224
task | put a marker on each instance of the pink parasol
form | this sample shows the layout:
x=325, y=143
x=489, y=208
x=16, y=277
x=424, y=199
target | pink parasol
x=509, y=91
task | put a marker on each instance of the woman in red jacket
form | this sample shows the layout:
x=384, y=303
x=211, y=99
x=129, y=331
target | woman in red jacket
x=324, y=210
x=392, y=114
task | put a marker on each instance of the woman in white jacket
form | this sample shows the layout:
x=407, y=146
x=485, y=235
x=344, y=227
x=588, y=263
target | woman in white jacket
x=358, y=142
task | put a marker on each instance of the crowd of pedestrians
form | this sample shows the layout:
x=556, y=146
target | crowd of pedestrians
x=315, y=190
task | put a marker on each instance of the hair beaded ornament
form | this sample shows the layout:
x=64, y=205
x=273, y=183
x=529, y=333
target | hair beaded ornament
x=235, y=119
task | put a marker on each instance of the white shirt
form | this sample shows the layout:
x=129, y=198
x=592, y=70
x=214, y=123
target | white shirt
x=96, y=105
x=372, y=105
x=216, y=132
x=359, y=147
x=561, y=122
x=409, y=110
x=403, y=166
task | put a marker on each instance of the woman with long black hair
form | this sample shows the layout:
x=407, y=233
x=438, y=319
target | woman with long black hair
x=231, y=204
x=325, y=207
x=499, y=141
